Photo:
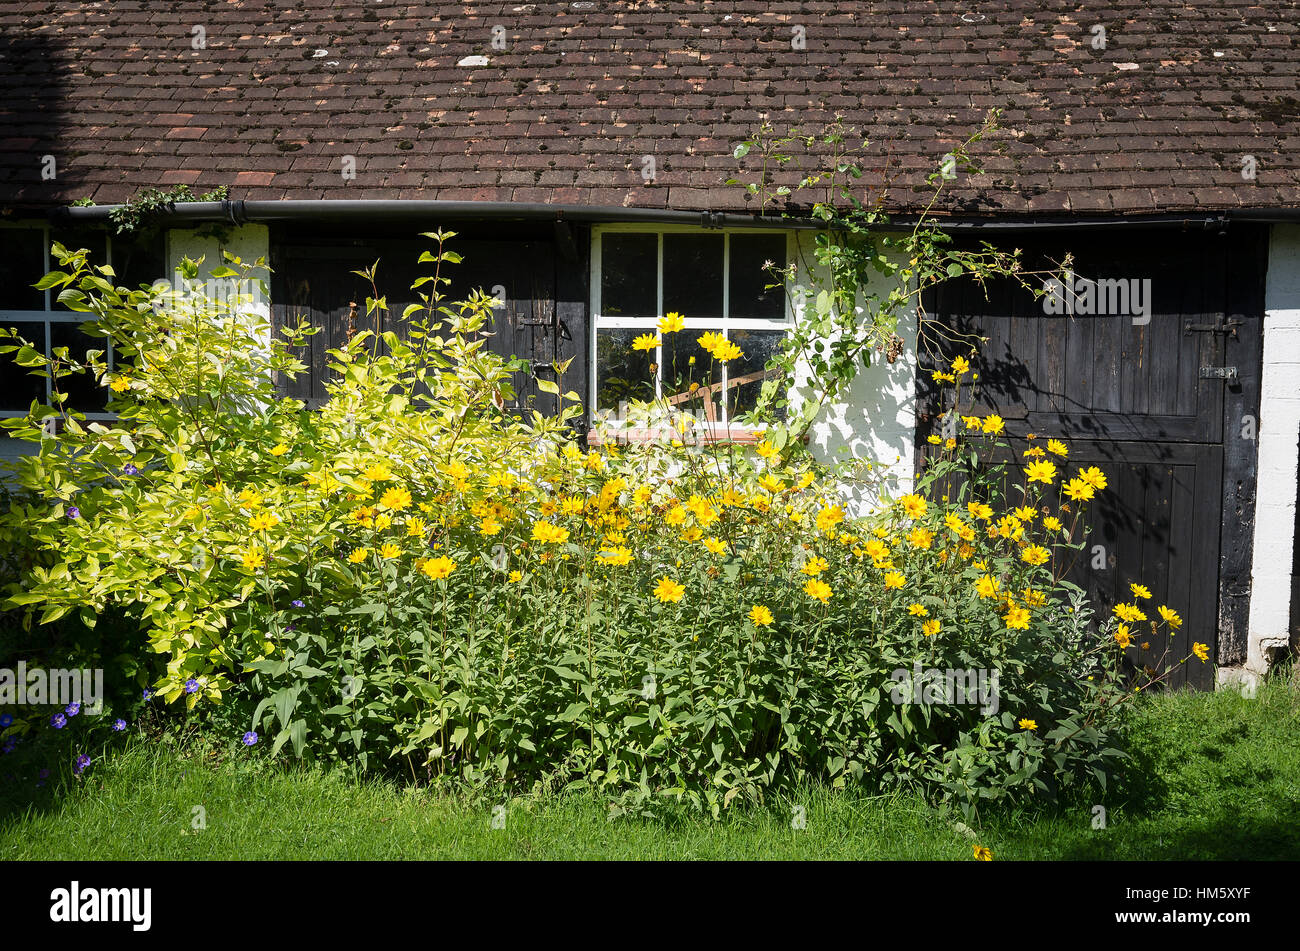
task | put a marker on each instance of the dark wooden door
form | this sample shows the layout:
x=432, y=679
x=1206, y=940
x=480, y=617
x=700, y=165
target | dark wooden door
x=1135, y=395
x=315, y=280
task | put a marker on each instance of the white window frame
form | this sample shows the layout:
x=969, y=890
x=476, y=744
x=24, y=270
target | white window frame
x=49, y=316
x=725, y=323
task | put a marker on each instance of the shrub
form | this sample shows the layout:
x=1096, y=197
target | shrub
x=412, y=578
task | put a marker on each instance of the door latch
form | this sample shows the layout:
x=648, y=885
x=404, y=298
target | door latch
x=1218, y=373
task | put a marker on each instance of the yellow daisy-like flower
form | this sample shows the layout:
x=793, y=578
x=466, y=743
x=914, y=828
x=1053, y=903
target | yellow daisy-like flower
x=829, y=517
x=646, y=342
x=1171, y=617
x=120, y=384
x=815, y=566
x=358, y=556
x=250, y=498
x=515, y=577
x=1035, y=555
x=709, y=340
x=489, y=526
x=1078, y=491
x=987, y=586
x=669, y=591
x=1016, y=618
x=1056, y=447
x=693, y=534
x=979, y=510
x=913, y=506
x=252, y=558
x=920, y=538
x=1129, y=612
x=894, y=579
x=1040, y=470
x=1051, y=523
x=715, y=546
x=389, y=550
x=916, y=609
x=960, y=366
x=983, y=854
x=930, y=627
x=1123, y=637
x=1025, y=513
x=1202, y=651
x=279, y=449
x=1028, y=724
x=618, y=556
x=1034, y=452
x=973, y=423
x=671, y=322
x=993, y=424
x=816, y=588
x=1093, y=477
x=771, y=483
x=377, y=472
x=416, y=526
x=1140, y=590
x=438, y=568
x=760, y=615
x=549, y=534
x=395, y=498
x=1034, y=598
x=263, y=521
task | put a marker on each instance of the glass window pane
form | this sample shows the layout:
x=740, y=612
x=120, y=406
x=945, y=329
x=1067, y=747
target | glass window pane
x=628, y=275
x=622, y=374
x=749, y=296
x=22, y=264
x=746, y=374
x=693, y=274
x=686, y=362
x=83, y=393
x=76, y=237
x=139, y=261
x=17, y=386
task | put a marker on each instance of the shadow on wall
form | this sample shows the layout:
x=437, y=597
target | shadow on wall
x=37, y=157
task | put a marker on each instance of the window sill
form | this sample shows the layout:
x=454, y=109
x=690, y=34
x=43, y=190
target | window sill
x=738, y=436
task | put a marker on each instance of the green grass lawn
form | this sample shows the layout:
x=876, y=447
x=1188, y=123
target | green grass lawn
x=1213, y=776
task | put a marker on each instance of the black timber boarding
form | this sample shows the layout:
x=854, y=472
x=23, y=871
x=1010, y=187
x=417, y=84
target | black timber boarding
x=542, y=271
x=1178, y=446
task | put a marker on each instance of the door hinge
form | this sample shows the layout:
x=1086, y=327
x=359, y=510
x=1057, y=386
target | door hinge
x=1218, y=373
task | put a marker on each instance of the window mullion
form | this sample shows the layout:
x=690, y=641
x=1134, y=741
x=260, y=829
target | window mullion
x=726, y=315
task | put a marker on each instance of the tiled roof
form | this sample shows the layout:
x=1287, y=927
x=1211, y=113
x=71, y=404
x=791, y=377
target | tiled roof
x=270, y=97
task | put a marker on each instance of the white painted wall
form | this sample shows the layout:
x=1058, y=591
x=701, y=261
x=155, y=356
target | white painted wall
x=876, y=421
x=1279, y=427
x=248, y=242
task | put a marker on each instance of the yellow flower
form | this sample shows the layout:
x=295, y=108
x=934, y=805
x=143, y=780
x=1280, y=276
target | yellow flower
x=120, y=384
x=377, y=472
x=671, y=322
x=709, y=340
x=1093, y=477
x=646, y=342
x=395, y=498
x=489, y=526
x=814, y=566
x=249, y=498
x=1035, y=598
x=1140, y=590
x=1052, y=523
x=829, y=517
x=358, y=556
x=987, y=586
x=972, y=423
x=1202, y=651
x=916, y=609
x=1040, y=470
x=715, y=546
x=1078, y=491
x=415, y=526
x=438, y=568
x=669, y=591
x=960, y=366
x=617, y=556
x=279, y=449
x=514, y=577
x=1016, y=617
x=549, y=534
x=816, y=588
x=458, y=473
x=983, y=854
x=389, y=550
x=1171, y=617
x=1025, y=513
x=1035, y=555
x=771, y=483
x=979, y=510
x=253, y=558
x=1129, y=612
x=1123, y=637
x=913, y=506
x=262, y=521
x=760, y=615
x=920, y=537
x=894, y=579
x=993, y=424
x=1057, y=447
x=692, y=534
x=930, y=627
x=726, y=351
x=1028, y=724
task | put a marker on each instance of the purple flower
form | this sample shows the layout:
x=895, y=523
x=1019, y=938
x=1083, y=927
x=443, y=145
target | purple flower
x=82, y=762
x=119, y=725
x=290, y=627
x=129, y=469
x=297, y=603
x=5, y=720
x=250, y=738
x=72, y=709
x=44, y=774
x=74, y=512
x=191, y=685
x=9, y=745
x=147, y=693
x=58, y=721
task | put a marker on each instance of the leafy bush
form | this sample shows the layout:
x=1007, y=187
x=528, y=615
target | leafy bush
x=412, y=578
